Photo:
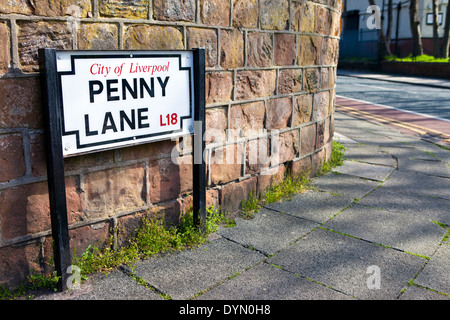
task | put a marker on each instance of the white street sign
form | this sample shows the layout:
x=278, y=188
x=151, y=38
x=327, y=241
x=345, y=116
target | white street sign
x=113, y=99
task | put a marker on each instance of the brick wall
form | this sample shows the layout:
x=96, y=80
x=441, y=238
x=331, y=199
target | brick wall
x=271, y=65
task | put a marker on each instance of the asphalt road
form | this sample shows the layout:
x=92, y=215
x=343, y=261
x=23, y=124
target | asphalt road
x=420, y=99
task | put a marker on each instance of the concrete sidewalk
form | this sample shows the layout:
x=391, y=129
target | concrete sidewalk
x=421, y=81
x=368, y=231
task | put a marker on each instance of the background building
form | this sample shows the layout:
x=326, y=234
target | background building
x=357, y=40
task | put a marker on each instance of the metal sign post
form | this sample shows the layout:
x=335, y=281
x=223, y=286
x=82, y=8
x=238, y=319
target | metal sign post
x=95, y=101
x=55, y=164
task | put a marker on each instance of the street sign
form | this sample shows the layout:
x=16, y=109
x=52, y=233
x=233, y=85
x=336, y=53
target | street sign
x=93, y=101
x=113, y=99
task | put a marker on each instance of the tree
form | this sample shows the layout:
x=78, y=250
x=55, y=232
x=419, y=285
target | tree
x=446, y=40
x=436, y=48
x=384, y=40
x=415, y=28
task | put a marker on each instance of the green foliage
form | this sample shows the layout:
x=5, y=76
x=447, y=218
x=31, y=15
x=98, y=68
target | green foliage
x=150, y=239
x=35, y=281
x=422, y=58
x=337, y=158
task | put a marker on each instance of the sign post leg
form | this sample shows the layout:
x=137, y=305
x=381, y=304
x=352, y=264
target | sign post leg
x=199, y=170
x=55, y=165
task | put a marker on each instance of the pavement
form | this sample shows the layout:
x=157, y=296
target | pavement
x=376, y=228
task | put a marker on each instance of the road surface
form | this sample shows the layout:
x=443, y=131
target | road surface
x=415, y=109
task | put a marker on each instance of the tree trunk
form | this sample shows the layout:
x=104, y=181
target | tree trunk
x=415, y=28
x=384, y=40
x=436, y=47
x=446, y=41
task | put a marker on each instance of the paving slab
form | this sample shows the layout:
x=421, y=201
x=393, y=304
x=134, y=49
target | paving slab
x=344, y=184
x=313, y=205
x=350, y=265
x=436, y=274
x=266, y=282
x=113, y=286
x=423, y=165
x=365, y=170
x=436, y=209
x=268, y=232
x=420, y=293
x=184, y=274
x=418, y=236
x=369, y=154
x=415, y=183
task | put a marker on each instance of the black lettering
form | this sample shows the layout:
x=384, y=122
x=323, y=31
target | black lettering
x=93, y=92
x=126, y=87
x=163, y=85
x=86, y=125
x=110, y=90
x=111, y=126
x=142, y=118
x=150, y=90
x=131, y=122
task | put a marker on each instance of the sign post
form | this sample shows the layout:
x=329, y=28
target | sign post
x=95, y=101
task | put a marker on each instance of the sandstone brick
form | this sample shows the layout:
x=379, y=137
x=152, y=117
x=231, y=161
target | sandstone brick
x=132, y=9
x=20, y=105
x=279, y=112
x=301, y=167
x=258, y=155
x=215, y=12
x=245, y=13
x=287, y=148
x=330, y=51
x=231, y=49
x=324, y=78
x=269, y=178
x=95, y=235
x=168, y=179
x=144, y=37
x=311, y=80
x=12, y=160
x=218, y=87
x=174, y=10
x=37, y=155
x=323, y=133
x=89, y=160
x=98, y=36
x=302, y=109
x=16, y=6
x=233, y=194
x=212, y=198
x=171, y=212
x=39, y=34
x=111, y=191
x=335, y=26
x=248, y=119
x=309, y=50
x=48, y=8
x=321, y=105
x=307, y=139
x=206, y=38
x=284, y=49
x=259, y=49
x=303, y=17
x=4, y=49
x=16, y=263
x=155, y=150
x=255, y=84
x=274, y=14
x=26, y=209
x=216, y=125
x=323, y=20
x=290, y=81
x=226, y=163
